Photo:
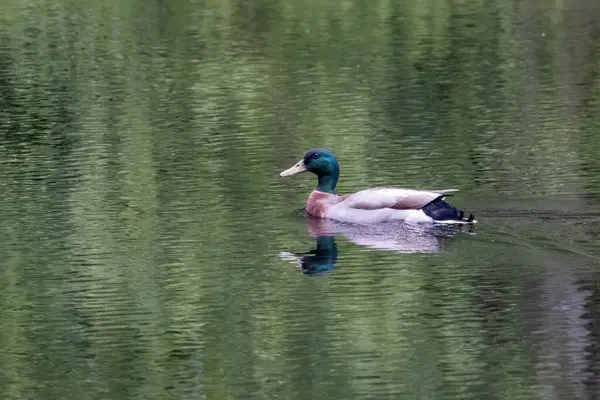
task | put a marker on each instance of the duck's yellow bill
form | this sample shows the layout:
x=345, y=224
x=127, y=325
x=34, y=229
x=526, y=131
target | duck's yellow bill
x=296, y=169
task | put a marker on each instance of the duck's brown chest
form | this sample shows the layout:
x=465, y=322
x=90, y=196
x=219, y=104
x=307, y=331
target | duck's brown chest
x=318, y=202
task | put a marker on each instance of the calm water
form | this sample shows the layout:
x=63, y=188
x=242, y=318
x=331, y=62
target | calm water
x=151, y=251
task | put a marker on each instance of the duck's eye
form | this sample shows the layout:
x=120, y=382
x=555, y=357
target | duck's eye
x=315, y=156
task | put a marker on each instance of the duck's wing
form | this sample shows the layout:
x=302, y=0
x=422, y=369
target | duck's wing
x=396, y=198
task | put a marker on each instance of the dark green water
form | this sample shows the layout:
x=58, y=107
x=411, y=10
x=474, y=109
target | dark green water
x=149, y=248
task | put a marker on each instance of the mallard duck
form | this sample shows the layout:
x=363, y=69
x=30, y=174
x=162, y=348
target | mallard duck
x=371, y=206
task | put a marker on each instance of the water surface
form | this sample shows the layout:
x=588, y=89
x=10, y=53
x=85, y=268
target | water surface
x=150, y=249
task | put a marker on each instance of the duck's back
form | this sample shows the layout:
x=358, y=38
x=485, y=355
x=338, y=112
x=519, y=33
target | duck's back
x=393, y=198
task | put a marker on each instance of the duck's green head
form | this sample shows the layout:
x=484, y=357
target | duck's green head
x=320, y=162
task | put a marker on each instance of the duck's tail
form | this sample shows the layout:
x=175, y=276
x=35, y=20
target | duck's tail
x=443, y=212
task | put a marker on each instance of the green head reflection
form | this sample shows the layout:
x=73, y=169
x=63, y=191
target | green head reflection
x=318, y=261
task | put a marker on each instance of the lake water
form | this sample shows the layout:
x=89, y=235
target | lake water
x=150, y=249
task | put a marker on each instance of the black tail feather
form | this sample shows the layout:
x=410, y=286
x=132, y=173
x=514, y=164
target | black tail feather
x=439, y=210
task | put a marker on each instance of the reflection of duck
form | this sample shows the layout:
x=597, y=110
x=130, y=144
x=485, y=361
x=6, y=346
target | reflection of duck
x=317, y=261
x=396, y=237
x=371, y=206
